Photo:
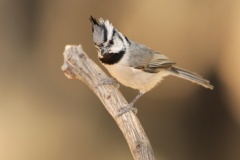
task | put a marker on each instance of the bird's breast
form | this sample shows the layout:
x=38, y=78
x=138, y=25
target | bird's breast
x=135, y=78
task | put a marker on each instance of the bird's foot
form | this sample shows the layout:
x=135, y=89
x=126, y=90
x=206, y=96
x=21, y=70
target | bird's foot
x=109, y=81
x=127, y=109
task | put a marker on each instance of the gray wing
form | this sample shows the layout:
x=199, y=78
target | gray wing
x=144, y=58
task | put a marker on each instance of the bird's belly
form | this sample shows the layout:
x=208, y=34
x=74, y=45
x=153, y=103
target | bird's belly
x=136, y=78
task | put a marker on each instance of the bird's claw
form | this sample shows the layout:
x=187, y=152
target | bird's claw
x=109, y=81
x=127, y=109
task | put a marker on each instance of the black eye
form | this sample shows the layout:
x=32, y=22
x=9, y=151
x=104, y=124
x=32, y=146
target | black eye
x=111, y=42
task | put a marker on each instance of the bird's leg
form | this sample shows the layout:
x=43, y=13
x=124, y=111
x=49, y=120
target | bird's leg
x=109, y=81
x=130, y=105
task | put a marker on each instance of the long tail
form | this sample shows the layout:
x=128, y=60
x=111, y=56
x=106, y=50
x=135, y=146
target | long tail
x=193, y=77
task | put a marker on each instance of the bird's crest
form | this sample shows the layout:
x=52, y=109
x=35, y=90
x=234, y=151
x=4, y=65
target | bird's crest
x=102, y=30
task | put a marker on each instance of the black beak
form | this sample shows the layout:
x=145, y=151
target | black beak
x=103, y=51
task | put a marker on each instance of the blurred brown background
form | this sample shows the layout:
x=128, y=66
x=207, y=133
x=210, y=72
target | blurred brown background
x=45, y=116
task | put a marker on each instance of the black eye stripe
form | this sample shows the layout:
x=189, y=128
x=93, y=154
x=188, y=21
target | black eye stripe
x=127, y=40
x=105, y=32
x=120, y=37
x=111, y=42
x=114, y=32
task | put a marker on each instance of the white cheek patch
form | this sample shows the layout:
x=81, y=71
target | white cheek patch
x=118, y=46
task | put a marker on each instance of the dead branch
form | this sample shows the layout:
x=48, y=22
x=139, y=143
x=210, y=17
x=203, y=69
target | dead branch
x=77, y=65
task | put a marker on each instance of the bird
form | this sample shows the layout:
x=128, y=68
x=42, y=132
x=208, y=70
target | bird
x=133, y=64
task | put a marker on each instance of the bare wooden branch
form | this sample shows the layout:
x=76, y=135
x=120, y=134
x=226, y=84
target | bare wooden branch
x=77, y=65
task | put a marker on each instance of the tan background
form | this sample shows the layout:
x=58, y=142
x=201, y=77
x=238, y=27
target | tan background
x=45, y=116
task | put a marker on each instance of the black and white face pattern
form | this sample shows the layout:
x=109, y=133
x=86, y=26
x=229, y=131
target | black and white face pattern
x=110, y=43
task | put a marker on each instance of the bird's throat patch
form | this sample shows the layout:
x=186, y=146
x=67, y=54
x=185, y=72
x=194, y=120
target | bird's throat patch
x=112, y=58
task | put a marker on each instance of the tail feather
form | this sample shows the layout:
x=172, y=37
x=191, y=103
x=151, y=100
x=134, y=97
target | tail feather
x=193, y=77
